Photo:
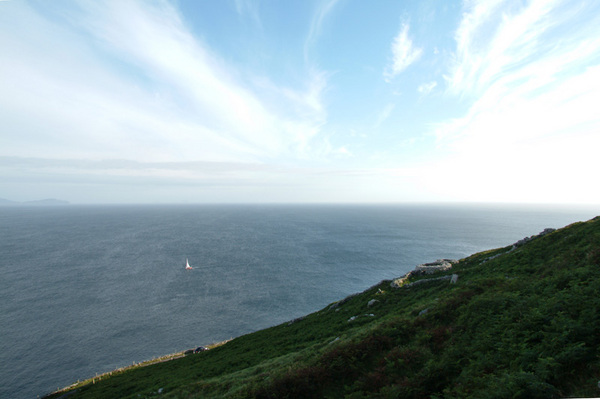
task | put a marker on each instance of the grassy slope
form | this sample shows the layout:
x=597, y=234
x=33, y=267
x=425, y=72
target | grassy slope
x=523, y=324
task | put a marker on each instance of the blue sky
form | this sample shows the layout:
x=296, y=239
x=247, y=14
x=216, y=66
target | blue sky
x=300, y=101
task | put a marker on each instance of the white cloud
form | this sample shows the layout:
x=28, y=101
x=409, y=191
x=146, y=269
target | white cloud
x=156, y=39
x=143, y=89
x=427, y=88
x=249, y=8
x=308, y=101
x=324, y=8
x=384, y=114
x=403, y=53
x=317, y=81
x=496, y=37
x=530, y=131
x=343, y=151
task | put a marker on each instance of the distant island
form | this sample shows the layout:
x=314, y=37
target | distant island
x=43, y=202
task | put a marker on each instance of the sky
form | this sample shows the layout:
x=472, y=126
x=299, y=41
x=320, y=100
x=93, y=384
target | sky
x=301, y=101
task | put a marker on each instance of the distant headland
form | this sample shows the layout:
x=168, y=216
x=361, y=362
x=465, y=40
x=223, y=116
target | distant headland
x=43, y=202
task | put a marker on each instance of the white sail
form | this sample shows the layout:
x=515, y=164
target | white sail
x=187, y=264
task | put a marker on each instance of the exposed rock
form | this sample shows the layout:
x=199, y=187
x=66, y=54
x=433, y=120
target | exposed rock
x=372, y=302
x=356, y=317
x=520, y=243
x=439, y=265
x=296, y=320
x=527, y=239
x=339, y=303
x=402, y=282
x=399, y=282
x=495, y=256
x=423, y=312
x=424, y=268
x=427, y=280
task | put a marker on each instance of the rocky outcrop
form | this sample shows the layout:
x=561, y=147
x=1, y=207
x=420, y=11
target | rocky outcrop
x=453, y=279
x=337, y=304
x=296, y=320
x=372, y=302
x=527, y=239
x=519, y=243
x=442, y=265
x=439, y=265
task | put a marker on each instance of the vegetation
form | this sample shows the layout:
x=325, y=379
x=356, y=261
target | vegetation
x=519, y=322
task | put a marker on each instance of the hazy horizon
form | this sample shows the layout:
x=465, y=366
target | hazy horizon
x=319, y=101
x=594, y=208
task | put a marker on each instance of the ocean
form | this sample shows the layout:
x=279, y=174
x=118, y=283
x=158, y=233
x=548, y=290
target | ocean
x=88, y=289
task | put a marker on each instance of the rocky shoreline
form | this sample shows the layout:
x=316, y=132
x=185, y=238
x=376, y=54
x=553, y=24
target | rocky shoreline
x=442, y=265
x=439, y=265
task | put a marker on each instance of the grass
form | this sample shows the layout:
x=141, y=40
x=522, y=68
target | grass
x=520, y=322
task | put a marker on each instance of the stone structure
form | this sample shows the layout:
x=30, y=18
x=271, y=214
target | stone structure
x=527, y=239
x=372, y=302
x=439, y=265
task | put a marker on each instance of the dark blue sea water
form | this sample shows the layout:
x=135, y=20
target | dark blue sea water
x=87, y=289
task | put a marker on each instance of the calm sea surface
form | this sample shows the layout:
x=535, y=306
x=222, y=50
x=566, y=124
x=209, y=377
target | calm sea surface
x=87, y=289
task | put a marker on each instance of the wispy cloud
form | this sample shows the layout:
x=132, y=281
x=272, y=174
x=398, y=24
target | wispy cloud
x=155, y=39
x=532, y=83
x=249, y=9
x=496, y=39
x=199, y=181
x=384, y=115
x=120, y=169
x=427, y=88
x=144, y=88
x=140, y=91
x=403, y=53
x=318, y=78
x=324, y=8
x=524, y=58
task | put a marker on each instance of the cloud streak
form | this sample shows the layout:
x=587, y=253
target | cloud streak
x=155, y=39
x=324, y=8
x=144, y=89
x=383, y=115
x=138, y=90
x=531, y=111
x=196, y=181
x=427, y=88
x=497, y=41
x=404, y=53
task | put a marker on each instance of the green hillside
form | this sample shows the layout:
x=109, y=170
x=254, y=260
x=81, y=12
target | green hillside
x=521, y=321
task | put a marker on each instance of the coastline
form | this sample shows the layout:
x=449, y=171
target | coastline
x=421, y=272
x=501, y=305
x=128, y=277
x=134, y=365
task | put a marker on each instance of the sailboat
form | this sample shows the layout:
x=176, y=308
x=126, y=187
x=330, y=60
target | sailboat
x=187, y=265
